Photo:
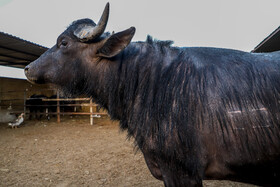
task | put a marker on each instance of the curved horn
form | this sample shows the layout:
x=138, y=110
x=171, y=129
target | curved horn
x=90, y=32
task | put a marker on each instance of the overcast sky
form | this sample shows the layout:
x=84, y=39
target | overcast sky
x=238, y=24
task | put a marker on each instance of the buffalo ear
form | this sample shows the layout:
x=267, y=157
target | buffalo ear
x=116, y=43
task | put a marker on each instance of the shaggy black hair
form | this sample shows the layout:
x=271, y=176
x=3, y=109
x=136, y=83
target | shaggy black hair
x=165, y=97
x=188, y=108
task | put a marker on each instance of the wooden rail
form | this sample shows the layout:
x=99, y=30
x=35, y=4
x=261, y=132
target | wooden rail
x=63, y=113
x=57, y=104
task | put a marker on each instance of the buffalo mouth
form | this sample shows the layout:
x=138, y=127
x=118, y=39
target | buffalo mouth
x=31, y=80
x=34, y=80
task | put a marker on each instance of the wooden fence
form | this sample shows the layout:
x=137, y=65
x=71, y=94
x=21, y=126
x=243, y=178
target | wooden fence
x=20, y=105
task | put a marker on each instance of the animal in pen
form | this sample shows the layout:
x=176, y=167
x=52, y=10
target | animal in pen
x=17, y=122
x=195, y=112
x=36, y=106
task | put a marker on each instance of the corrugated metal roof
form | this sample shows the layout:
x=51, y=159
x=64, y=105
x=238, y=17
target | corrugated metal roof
x=270, y=43
x=10, y=72
x=16, y=52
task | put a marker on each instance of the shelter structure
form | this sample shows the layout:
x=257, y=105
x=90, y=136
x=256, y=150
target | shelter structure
x=270, y=43
x=15, y=54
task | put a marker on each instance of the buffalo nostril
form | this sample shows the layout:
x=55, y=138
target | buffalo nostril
x=26, y=69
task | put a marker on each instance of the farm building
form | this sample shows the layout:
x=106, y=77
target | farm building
x=270, y=43
x=15, y=54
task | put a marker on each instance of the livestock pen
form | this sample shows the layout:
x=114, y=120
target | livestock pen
x=42, y=106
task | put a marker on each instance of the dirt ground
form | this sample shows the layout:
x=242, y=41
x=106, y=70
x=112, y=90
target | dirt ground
x=74, y=153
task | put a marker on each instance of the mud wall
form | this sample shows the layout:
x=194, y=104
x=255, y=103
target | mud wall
x=13, y=92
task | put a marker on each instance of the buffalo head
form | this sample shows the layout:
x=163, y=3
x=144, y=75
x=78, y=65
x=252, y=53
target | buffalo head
x=81, y=50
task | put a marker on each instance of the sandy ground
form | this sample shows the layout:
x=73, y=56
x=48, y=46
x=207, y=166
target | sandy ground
x=74, y=153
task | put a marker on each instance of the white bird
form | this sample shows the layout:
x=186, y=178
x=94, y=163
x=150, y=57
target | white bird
x=18, y=121
x=96, y=116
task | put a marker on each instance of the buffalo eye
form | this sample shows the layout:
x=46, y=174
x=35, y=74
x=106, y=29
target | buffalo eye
x=64, y=43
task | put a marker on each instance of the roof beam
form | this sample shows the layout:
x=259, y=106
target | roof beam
x=18, y=51
x=13, y=57
x=8, y=63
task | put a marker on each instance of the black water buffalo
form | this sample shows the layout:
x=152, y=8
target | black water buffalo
x=195, y=113
x=36, y=106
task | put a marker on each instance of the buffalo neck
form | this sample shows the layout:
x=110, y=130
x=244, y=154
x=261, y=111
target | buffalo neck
x=128, y=82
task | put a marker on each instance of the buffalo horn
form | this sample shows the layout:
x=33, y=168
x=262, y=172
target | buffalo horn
x=90, y=32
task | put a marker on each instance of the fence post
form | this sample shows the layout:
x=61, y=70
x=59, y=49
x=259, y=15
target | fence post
x=58, y=107
x=24, y=103
x=91, y=110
